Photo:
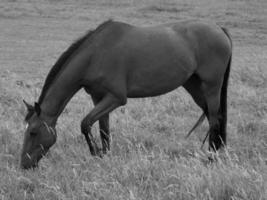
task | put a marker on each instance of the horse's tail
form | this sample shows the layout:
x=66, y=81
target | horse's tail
x=223, y=100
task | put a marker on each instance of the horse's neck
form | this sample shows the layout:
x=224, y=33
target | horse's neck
x=57, y=97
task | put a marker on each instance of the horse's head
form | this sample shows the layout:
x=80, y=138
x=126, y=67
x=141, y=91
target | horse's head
x=38, y=138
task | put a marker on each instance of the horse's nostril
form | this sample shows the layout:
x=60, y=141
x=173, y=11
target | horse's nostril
x=22, y=166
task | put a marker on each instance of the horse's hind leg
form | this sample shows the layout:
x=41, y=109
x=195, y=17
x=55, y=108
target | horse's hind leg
x=102, y=108
x=212, y=93
x=104, y=128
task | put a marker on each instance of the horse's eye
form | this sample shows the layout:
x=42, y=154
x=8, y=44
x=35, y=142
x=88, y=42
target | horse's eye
x=33, y=133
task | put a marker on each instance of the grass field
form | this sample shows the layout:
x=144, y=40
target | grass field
x=150, y=158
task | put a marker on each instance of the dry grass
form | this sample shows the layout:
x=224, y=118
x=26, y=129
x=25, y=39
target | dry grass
x=150, y=159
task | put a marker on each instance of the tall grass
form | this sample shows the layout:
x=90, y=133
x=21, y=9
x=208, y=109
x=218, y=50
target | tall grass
x=150, y=159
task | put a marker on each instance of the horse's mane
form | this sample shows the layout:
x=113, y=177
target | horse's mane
x=60, y=64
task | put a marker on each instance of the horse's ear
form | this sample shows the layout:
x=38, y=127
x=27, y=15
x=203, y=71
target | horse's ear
x=28, y=106
x=37, y=108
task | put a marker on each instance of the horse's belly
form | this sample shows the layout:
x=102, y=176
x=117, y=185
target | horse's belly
x=136, y=92
x=154, y=84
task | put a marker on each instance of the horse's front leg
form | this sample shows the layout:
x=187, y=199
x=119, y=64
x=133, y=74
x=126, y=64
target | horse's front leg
x=100, y=111
x=104, y=133
x=103, y=127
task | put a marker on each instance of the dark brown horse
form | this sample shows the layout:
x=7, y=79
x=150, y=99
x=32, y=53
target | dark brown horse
x=117, y=61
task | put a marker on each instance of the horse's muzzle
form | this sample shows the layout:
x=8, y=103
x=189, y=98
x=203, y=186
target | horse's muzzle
x=28, y=163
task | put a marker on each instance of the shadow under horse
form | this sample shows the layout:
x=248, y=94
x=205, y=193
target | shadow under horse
x=117, y=61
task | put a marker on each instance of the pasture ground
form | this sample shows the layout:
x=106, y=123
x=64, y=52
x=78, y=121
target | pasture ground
x=150, y=159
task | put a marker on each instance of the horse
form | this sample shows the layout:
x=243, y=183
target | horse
x=117, y=61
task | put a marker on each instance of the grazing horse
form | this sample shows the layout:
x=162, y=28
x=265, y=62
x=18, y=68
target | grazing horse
x=117, y=61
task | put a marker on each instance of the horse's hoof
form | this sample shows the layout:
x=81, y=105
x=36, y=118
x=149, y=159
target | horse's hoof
x=100, y=153
x=97, y=153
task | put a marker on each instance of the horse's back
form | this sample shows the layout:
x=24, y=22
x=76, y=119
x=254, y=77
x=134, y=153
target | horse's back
x=154, y=55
